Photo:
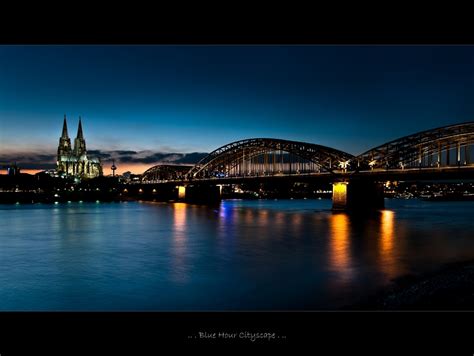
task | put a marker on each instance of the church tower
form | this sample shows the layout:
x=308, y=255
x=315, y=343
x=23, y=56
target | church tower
x=75, y=162
x=64, y=147
x=79, y=141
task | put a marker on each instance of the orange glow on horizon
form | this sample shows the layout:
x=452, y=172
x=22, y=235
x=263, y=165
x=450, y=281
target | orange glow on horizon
x=134, y=168
x=27, y=171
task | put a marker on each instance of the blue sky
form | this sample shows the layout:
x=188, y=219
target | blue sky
x=196, y=98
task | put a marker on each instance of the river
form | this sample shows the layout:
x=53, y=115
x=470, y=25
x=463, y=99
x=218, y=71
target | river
x=240, y=255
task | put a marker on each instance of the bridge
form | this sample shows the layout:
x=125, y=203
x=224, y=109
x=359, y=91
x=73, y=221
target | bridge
x=440, y=153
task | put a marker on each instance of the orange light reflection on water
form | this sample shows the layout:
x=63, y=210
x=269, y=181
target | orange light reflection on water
x=387, y=237
x=340, y=243
x=179, y=241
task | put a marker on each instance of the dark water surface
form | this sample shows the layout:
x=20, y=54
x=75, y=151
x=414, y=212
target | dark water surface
x=242, y=255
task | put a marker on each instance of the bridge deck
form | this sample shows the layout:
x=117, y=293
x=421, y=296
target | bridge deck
x=432, y=173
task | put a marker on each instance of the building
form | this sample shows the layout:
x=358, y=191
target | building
x=75, y=162
x=13, y=170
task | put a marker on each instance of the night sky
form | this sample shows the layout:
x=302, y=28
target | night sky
x=141, y=103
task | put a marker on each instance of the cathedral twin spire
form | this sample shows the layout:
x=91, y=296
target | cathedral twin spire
x=75, y=162
x=64, y=135
x=79, y=129
x=79, y=141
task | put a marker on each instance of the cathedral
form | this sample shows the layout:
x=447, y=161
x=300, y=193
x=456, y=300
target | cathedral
x=75, y=162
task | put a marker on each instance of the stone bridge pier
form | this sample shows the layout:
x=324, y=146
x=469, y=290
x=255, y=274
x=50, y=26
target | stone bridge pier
x=357, y=195
x=200, y=193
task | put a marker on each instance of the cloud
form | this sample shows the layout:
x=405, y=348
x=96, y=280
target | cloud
x=97, y=153
x=157, y=157
x=34, y=160
x=29, y=160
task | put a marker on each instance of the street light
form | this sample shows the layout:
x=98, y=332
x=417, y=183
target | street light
x=343, y=165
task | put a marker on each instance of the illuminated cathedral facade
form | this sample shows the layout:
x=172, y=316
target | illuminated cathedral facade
x=75, y=161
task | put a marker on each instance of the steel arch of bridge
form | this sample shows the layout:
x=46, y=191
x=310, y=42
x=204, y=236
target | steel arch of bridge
x=165, y=172
x=234, y=153
x=413, y=150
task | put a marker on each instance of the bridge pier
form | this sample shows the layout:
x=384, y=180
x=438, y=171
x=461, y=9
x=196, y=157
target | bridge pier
x=357, y=195
x=202, y=194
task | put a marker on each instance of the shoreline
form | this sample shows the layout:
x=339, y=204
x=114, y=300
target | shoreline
x=450, y=287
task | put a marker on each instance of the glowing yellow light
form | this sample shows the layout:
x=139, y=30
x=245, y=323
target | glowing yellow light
x=140, y=190
x=181, y=192
x=344, y=164
x=154, y=190
x=339, y=195
x=125, y=190
x=339, y=188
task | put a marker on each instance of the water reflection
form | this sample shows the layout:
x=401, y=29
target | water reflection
x=244, y=255
x=179, y=270
x=264, y=217
x=278, y=220
x=297, y=224
x=248, y=216
x=386, y=246
x=339, y=245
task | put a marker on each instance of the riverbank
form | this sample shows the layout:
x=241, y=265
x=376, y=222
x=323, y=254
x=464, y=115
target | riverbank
x=58, y=197
x=449, y=288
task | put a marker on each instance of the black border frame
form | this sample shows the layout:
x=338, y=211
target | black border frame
x=345, y=332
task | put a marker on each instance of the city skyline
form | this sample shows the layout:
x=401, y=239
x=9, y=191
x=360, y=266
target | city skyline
x=143, y=102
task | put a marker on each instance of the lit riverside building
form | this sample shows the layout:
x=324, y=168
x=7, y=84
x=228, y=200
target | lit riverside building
x=75, y=162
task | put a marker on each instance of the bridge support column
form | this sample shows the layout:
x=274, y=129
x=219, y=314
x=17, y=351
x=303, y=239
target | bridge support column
x=203, y=194
x=357, y=195
x=339, y=195
x=181, y=191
